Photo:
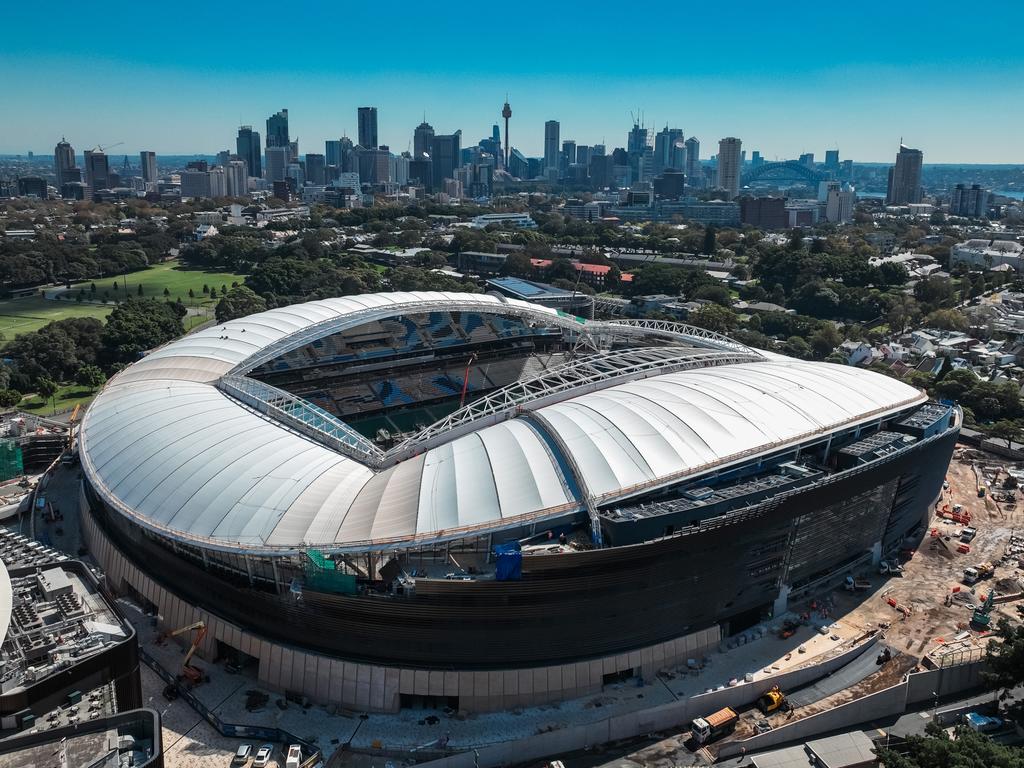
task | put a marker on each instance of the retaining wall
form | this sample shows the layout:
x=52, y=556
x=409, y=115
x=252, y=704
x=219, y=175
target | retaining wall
x=919, y=687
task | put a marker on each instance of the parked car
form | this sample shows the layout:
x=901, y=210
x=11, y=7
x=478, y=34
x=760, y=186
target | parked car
x=294, y=759
x=242, y=754
x=263, y=755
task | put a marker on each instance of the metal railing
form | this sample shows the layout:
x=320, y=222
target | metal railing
x=680, y=331
x=302, y=416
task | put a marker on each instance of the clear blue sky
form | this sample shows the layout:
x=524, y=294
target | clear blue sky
x=179, y=77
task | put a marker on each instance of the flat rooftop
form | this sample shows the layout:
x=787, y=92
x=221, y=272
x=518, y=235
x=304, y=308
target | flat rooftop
x=58, y=619
x=527, y=289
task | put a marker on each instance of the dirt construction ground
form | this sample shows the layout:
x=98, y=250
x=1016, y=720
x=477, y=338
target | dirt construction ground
x=922, y=623
x=937, y=568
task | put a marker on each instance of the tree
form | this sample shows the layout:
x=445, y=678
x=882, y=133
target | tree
x=713, y=317
x=824, y=340
x=9, y=398
x=139, y=325
x=47, y=387
x=167, y=291
x=1005, y=430
x=139, y=291
x=796, y=347
x=716, y=293
x=947, y=320
x=936, y=750
x=90, y=376
x=239, y=302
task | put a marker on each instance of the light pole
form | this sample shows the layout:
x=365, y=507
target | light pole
x=935, y=709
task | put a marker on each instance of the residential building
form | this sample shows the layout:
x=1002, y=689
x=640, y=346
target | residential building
x=367, y=117
x=551, y=154
x=218, y=181
x=729, y=165
x=839, y=205
x=147, y=161
x=63, y=161
x=905, y=178
x=763, y=212
x=970, y=202
x=277, y=130
x=195, y=183
x=237, y=178
x=247, y=146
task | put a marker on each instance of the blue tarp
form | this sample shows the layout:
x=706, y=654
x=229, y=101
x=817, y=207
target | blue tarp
x=508, y=562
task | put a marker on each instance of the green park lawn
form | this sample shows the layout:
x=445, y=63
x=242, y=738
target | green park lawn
x=67, y=397
x=19, y=316
x=29, y=314
x=170, y=275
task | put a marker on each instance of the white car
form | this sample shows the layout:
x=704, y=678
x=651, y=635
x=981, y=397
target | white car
x=263, y=755
x=242, y=754
x=294, y=758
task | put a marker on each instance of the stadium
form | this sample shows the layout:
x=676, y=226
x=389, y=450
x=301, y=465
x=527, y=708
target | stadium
x=465, y=500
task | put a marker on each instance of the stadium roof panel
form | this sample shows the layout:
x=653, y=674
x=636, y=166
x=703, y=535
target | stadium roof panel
x=165, y=446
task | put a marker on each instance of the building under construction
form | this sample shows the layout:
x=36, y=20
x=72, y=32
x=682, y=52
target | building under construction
x=473, y=501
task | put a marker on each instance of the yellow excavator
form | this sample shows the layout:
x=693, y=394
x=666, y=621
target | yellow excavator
x=771, y=701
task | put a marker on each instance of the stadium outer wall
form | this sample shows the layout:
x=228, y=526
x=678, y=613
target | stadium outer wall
x=373, y=685
x=378, y=688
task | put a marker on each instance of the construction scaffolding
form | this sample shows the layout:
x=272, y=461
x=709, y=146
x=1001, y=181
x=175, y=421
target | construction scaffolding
x=11, y=464
x=322, y=575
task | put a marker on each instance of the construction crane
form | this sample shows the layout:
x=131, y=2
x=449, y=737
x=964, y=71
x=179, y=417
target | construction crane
x=71, y=425
x=108, y=146
x=193, y=674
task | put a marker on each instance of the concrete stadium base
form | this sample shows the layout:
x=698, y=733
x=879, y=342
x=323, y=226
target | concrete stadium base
x=374, y=688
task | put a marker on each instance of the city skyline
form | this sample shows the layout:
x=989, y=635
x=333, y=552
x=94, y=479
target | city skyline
x=776, y=91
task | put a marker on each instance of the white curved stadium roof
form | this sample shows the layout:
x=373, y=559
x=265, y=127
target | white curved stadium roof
x=164, y=445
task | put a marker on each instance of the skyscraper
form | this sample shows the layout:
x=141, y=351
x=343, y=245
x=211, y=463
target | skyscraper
x=551, y=155
x=832, y=160
x=422, y=138
x=97, y=171
x=905, y=177
x=569, y=151
x=694, y=172
x=316, y=170
x=368, y=127
x=445, y=157
x=506, y=112
x=669, y=150
x=147, y=161
x=237, y=178
x=729, y=165
x=248, y=149
x=63, y=160
x=277, y=163
x=277, y=130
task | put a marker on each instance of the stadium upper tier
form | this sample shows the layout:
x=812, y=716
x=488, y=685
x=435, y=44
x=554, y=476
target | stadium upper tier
x=185, y=443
